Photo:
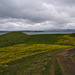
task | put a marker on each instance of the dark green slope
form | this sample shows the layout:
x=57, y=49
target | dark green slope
x=43, y=38
x=14, y=38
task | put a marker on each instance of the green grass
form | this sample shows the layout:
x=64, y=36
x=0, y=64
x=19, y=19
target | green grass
x=12, y=53
x=12, y=38
x=30, y=65
x=73, y=55
x=58, y=68
x=43, y=39
x=22, y=54
x=47, y=69
x=73, y=58
x=67, y=40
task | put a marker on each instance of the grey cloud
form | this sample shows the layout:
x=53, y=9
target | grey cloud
x=36, y=14
x=68, y=1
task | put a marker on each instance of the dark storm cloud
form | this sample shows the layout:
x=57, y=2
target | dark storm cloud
x=36, y=14
x=27, y=9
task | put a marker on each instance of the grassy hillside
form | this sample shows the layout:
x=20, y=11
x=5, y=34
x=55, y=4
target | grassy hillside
x=63, y=39
x=17, y=54
x=22, y=54
x=9, y=54
x=43, y=38
x=14, y=38
x=66, y=40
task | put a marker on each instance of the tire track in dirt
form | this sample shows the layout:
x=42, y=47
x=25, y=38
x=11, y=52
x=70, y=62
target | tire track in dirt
x=68, y=65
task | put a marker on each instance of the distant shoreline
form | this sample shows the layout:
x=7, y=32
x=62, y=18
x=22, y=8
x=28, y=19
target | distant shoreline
x=38, y=32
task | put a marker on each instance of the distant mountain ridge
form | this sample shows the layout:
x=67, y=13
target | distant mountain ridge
x=54, y=30
x=62, y=30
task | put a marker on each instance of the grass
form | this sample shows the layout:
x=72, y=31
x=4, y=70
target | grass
x=73, y=58
x=14, y=38
x=12, y=53
x=31, y=65
x=66, y=40
x=57, y=68
x=48, y=68
x=22, y=54
x=43, y=39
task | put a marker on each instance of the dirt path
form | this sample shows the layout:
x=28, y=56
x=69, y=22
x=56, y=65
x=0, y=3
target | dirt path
x=68, y=65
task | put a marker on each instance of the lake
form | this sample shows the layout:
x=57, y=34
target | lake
x=33, y=33
x=3, y=33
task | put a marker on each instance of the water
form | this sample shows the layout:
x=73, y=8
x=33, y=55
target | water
x=2, y=33
x=33, y=33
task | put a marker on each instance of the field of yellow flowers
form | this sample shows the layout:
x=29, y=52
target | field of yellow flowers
x=66, y=40
x=12, y=53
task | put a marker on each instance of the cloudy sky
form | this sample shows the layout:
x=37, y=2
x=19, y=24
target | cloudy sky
x=37, y=14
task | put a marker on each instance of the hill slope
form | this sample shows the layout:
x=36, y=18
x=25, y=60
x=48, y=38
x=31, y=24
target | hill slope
x=14, y=38
x=22, y=54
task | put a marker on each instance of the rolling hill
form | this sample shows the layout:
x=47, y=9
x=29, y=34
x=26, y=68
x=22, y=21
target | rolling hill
x=22, y=54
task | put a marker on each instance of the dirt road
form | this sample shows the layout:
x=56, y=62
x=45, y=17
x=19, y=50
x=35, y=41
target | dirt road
x=67, y=64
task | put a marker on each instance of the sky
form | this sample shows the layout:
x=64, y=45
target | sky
x=37, y=14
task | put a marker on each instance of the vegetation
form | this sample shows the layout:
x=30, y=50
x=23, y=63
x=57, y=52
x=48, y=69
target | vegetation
x=32, y=54
x=73, y=58
x=12, y=53
x=57, y=68
x=66, y=40
x=12, y=38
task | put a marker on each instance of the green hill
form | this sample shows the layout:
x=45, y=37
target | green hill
x=14, y=38
x=22, y=54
